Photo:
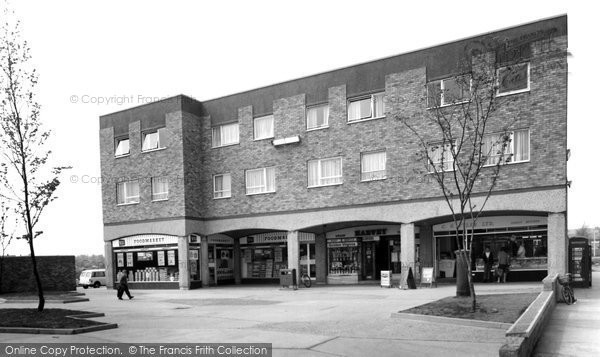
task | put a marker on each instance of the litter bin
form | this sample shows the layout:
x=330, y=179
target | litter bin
x=287, y=278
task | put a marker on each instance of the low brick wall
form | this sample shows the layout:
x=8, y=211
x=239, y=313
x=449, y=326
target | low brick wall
x=56, y=272
x=527, y=330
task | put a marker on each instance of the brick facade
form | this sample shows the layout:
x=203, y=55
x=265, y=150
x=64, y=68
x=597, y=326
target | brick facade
x=56, y=272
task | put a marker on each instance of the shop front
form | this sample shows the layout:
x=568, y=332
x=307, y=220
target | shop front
x=265, y=254
x=150, y=261
x=361, y=253
x=525, y=239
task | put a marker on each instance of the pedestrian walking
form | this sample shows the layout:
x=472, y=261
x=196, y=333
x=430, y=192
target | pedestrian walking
x=123, y=287
x=488, y=261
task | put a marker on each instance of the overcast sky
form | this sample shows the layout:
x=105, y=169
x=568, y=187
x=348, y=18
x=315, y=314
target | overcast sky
x=140, y=50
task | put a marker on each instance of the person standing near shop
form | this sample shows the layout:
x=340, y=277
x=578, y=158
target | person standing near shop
x=503, y=264
x=488, y=261
x=123, y=287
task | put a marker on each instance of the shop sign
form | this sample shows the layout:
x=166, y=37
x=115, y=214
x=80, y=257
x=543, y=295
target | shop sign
x=370, y=232
x=193, y=254
x=275, y=237
x=342, y=242
x=366, y=231
x=496, y=222
x=144, y=240
x=371, y=239
x=220, y=239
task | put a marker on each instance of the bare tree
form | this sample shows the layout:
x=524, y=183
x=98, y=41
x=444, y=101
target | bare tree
x=463, y=143
x=27, y=181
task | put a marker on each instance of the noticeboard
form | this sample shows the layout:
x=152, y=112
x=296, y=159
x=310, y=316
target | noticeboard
x=427, y=276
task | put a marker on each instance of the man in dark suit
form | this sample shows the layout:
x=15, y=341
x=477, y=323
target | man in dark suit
x=488, y=261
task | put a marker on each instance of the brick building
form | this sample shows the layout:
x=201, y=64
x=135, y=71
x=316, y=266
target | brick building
x=318, y=173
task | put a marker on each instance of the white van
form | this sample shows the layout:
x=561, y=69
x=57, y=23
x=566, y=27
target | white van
x=92, y=277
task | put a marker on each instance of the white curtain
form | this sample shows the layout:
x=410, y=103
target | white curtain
x=150, y=141
x=359, y=109
x=373, y=166
x=222, y=186
x=492, y=149
x=263, y=127
x=521, y=145
x=121, y=193
x=128, y=192
x=160, y=188
x=313, y=173
x=378, y=105
x=255, y=181
x=270, y=179
x=317, y=117
x=225, y=135
x=331, y=171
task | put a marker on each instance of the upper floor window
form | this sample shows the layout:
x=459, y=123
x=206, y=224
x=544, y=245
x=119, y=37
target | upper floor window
x=160, y=188
x=448, y=91
x=513, y=79
x=122, y=147
x=227, y=134
x=222, y=186
x=154, y=139
x=512, y=147
x=260, y=181
x=364, y=108
x=441, y=157
x=264, y=127
x=128, y=192
x=372, y=166
x=317, y=117
x=325, y=172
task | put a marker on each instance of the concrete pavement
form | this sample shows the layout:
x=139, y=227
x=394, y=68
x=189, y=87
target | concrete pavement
x=320, y=321
x=574, y=330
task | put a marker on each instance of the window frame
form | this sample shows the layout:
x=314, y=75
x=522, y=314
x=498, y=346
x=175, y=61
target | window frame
x=319, y=170
x=159, y=132
x=125, y=203
x=443, y=88
x=222, y=191
x=153, y=194
x=118, y=141
x=362, y=154
x=517, y=91
x=451, y=162
x=262, y=117
x=264, y=173
x=308, y=109
x=219, y=128
x=511, y=148
x=361, y=98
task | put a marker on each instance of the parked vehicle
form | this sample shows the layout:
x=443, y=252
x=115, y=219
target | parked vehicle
x=92, y=277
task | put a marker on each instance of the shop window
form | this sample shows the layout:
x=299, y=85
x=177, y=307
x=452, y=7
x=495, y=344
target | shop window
x=225, y=135
x=448, y=91
x=148, y=266
x=264, y=127
x=513, y=147
x=121, y=147
x=513, y=79
x=307, y=259
x=317, y=117
x=128, y=192
x=372, y=166
x=364, y=108
x=153, y=140
x=222, y=186
x=263, y=261
x=160, y=188
x=325, y=172
x=344, y=257
x=440, y=157
x=260, y=181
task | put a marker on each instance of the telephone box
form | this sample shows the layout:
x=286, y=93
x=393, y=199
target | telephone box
x=580, y=262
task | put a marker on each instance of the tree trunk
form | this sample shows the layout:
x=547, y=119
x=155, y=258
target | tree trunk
x=462, y=281
x=38, y=281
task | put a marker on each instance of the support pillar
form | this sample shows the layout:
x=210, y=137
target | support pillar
x=407, y=246
x=183, y=250
x=426, y=251
x=293, y=250
x=110, y=271
x=237, y=261
x=204, y=272
x=557, y=243
x=321, y=258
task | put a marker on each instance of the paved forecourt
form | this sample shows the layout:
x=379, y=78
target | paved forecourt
x=320, y=321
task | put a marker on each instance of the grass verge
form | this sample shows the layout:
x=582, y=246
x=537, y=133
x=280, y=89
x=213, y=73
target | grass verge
x=49, y=318
x=497, y=308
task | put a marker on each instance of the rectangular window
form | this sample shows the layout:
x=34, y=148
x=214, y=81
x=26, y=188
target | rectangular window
x=260, y=181
x=128, y=192
x=441, y=157
x=160, y=188
x=317, y=117
x=224, y=135
x=325, y=172
x=122, y=147
x=514, y=148
x=222, y=186
x=513, y=79
x=448, y=91
x=364, y=108
x=372, y=166
x=153, y=140
x=264, y=127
